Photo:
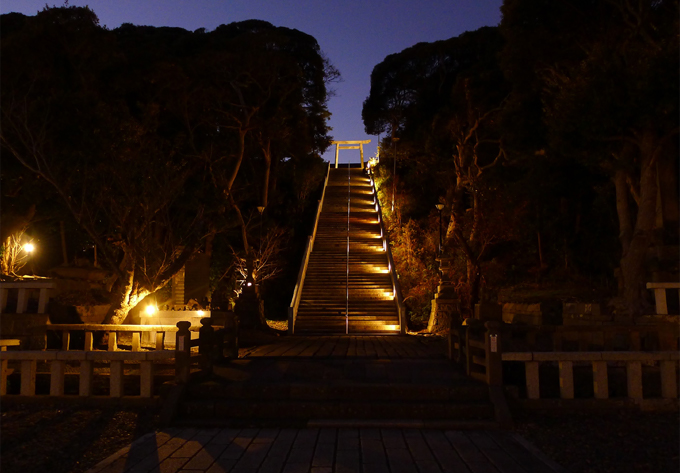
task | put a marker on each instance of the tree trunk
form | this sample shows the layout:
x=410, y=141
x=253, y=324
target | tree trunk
x=623, y=209
x=125, y=294
x=634, y=256
x=474, y=277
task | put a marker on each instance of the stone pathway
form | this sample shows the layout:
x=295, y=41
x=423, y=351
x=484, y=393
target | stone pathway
x=327, y=450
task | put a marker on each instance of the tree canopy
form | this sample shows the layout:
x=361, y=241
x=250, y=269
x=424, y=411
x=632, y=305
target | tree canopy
x=551, y=140
x=158, y=139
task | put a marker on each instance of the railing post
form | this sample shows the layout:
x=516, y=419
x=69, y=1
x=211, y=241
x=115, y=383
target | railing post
x=461, y=331
x=230, y=347
x=89, y=339
x=160, y=340
x=600, y=380
x=182, y=351
x=22, y=301
x=85, y=383
x=136, y=341
x=669, y=383
x=65, y=339
x=146, y=379
x=206, y=344
x=468, y=355
x=533, y=380
x=3, y=371
x=566, y=379
x=28, y=372
x=117, y=371
x=494, y=361
x=113, y=341
x=634, y=380
x=57, y=369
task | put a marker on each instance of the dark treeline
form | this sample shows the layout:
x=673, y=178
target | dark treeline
x=551, y=140
x=161, y=143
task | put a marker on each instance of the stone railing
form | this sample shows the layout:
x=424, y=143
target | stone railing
x=114, y=331
x=660, y=299
x=185, y=360
x=600, y=362
x=297, y=292
x=24, y=290
x=29, y=313
x=58, y=360
x=484, y=348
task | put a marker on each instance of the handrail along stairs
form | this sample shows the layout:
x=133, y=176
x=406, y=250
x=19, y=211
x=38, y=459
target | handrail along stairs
x=398, y=298
x=297, y=293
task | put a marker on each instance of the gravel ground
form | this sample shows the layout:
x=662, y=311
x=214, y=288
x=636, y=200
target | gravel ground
x=70, y=439
x=66, y=439
x=620, y=442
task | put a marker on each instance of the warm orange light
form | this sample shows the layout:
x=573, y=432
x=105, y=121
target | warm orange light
x=150, y=310
x=29, y=248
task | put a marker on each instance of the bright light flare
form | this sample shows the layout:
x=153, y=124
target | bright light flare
x=200, y=313
x=29, y=247
x=150, y=310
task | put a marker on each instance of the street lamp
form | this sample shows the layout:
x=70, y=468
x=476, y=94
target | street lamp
x=440, y=207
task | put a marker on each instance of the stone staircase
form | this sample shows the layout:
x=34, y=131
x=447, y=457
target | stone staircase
x=329, y=291
x=336, y=392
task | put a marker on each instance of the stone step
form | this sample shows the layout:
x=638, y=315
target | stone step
x=340, y=390
x=274, y=409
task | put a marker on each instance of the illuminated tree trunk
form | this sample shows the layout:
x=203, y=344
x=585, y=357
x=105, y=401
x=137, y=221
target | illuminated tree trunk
x=637, y=239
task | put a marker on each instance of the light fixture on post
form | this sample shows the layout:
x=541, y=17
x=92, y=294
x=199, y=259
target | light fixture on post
x=260, y=209
x=394, y=173
x=29, y=248
x=440, y=207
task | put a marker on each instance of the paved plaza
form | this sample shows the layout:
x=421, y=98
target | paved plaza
x=327, y=450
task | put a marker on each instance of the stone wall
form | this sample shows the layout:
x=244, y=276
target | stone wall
x=543, y=313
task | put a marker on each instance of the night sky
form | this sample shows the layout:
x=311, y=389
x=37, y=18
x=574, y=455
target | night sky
x=355, y=35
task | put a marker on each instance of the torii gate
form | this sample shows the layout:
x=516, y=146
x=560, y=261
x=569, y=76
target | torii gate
x=345, y=145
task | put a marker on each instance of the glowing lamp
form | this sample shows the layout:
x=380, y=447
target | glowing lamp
x=200, y=313
x=150, y=310
x=249, y=284
x=29, y=247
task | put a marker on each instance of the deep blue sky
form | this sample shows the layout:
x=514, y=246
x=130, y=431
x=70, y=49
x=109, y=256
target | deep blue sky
x=355, y=35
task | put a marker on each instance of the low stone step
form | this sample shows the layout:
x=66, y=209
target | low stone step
x=303, y=410
x=342, y=390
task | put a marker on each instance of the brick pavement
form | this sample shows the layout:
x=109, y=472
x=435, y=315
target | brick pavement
x=327, y=450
